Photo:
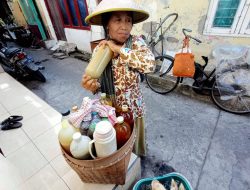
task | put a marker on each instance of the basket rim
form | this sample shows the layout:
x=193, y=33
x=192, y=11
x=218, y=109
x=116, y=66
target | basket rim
x=172, y=174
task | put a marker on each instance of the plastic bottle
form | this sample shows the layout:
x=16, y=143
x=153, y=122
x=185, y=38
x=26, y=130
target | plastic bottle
x=127, y=115
x=79, y=146
x=65, y=134
x=105, y=100
x=123, y=131
x=95, y=119
x=99, y=61
x=84, y=127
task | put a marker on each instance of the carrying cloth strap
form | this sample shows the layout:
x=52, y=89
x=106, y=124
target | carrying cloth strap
x=185, y=44
x=107, y=78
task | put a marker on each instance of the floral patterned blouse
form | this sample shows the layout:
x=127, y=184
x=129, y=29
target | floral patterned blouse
x=126, y=76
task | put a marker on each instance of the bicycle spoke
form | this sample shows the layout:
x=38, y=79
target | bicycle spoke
x=234, y=101
x=161, y=80
x=244, y=103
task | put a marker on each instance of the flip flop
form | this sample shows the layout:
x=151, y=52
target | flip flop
x=10, y=125
x=12, y=118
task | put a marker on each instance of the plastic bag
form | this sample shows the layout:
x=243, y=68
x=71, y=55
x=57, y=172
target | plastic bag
x=232, y=70
x=231, y=57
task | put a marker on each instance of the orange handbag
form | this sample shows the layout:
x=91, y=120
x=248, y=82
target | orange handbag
x=184, y=62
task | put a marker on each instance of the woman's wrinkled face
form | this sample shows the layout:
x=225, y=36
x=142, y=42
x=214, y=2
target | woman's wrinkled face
x=119, y=26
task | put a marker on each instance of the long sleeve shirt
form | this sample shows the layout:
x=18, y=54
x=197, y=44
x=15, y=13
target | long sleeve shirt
x=126, y=68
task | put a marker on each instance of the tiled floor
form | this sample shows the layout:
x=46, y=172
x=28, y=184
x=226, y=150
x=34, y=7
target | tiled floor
x=32, y=151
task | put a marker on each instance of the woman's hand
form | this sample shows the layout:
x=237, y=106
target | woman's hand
x=90, y=83
x=112, y=45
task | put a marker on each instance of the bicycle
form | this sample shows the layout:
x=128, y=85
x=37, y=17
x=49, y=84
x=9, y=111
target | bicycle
x=154, y=37
x=162, y=81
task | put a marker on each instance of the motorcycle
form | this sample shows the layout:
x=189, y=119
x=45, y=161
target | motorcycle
x=18, y=34
x=17, y=62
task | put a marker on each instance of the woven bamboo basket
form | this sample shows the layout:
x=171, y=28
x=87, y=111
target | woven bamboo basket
x=107, y=170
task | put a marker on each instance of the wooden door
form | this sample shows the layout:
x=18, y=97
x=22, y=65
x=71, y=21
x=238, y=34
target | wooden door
x=32, y=17
x=55, y=19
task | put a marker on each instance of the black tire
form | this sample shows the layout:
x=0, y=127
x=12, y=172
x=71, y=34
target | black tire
x=237, y=103
x=165, y=82
x=39, y=76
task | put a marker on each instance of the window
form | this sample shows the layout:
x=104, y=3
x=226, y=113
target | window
x=228, y=18
x=73, y=13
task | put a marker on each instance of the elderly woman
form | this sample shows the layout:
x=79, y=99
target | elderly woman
x=121, y=78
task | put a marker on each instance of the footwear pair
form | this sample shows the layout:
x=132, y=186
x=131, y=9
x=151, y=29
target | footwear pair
x=11, y=122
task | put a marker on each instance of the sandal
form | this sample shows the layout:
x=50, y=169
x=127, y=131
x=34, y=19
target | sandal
x=12, y=118
x=10, y=125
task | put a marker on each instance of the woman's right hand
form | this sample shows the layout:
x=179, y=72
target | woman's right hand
x=89, y=83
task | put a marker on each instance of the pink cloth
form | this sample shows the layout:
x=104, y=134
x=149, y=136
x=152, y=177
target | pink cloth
x=84, y=113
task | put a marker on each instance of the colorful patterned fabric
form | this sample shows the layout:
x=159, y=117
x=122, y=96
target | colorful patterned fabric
x=88, y=106
x=126, y=68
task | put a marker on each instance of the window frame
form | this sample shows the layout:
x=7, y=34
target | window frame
x=81, y=27
x=239, y=26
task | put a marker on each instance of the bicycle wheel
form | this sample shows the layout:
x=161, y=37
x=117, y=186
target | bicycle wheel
x=162, y=80
x=233, y=99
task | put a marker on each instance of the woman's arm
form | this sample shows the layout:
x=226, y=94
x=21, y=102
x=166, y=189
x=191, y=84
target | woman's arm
x=139, y=58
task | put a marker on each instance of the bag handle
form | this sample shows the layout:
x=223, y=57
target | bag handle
x=185, y=44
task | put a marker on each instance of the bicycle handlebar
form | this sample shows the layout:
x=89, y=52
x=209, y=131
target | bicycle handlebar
x=184, y=30
x=175, y=15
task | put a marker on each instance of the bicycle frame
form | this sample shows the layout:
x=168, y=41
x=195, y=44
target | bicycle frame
x=153, y=41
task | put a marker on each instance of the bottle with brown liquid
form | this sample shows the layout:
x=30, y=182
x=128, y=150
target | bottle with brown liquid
x=123, y=131
x=105, y=100
x=99, y=61
x=127, y=115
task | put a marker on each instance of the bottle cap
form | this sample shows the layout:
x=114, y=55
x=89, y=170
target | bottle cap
x=94, y=113
x=103, y=95
x=86, y=98
x=120, y=119
x=103, y=130
x=124, y=108
x=74, y=108
x=77, y=135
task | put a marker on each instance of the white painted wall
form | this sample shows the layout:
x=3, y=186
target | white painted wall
x=79, y=37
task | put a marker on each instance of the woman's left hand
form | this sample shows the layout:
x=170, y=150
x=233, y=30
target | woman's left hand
x=114, y=47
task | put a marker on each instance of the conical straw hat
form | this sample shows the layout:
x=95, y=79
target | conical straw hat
x=95, y=18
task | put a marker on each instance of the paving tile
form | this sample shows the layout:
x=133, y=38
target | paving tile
x=12, y=100
x=3, y=117
x=28, y=160
x=3, y=110
x=30, y=109
x=41, y=123
x=74, y=183
x=6, y=80
x=9, y=88
x=10, y=178
x=45, y=179
x=60, y=165
x=48, y=144
x=12, y=140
